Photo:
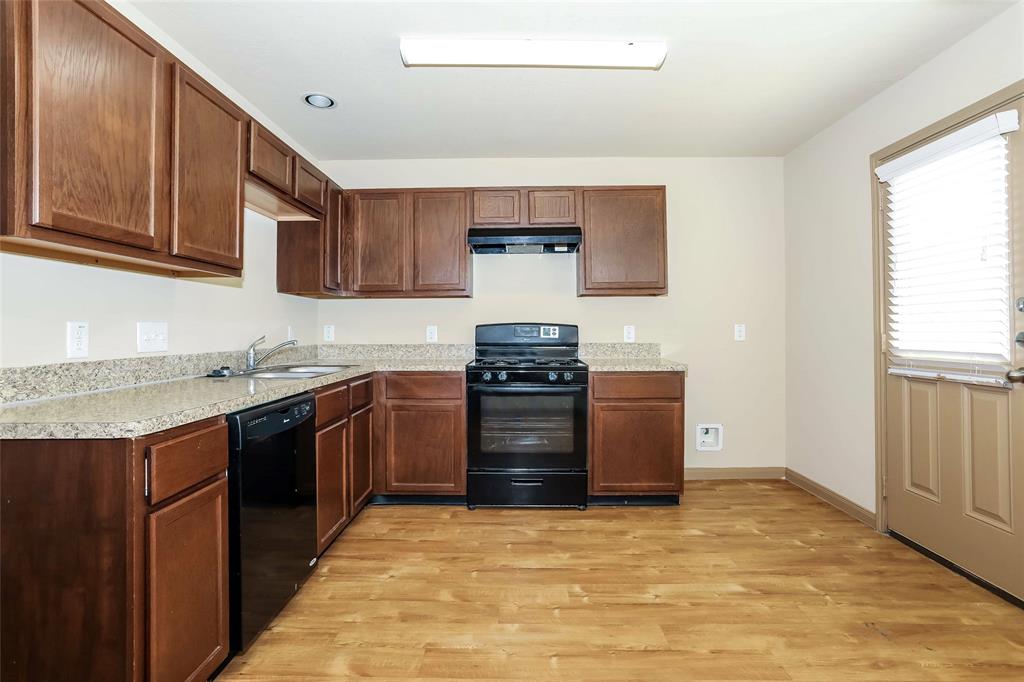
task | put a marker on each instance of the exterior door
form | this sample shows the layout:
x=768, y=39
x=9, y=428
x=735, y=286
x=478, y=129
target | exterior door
x=953, y=422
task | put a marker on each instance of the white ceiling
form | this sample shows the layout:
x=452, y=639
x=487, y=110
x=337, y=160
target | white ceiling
x=750, y=78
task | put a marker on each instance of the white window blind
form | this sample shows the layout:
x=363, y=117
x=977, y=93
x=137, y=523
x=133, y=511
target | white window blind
x=948, y=249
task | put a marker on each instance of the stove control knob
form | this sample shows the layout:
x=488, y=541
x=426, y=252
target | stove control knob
x=502, y=376
x=487, y=376
x=567, y=376
x=552, y=376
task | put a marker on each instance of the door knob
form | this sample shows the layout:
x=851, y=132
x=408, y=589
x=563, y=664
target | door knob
x=1016, y=376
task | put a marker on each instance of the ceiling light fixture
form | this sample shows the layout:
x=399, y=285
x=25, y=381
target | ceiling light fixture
x=601, y=54
x=315, y=99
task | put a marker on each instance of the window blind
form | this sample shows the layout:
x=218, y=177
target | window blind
x=948, y=253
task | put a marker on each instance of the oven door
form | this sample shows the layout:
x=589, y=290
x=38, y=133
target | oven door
x=527, y=426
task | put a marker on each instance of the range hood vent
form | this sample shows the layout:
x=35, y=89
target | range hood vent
x=525, y=239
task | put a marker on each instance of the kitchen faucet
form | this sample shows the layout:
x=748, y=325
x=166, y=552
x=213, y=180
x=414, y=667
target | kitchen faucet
x=252, y=361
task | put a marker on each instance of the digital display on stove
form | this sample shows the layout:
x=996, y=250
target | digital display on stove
x=526, y=330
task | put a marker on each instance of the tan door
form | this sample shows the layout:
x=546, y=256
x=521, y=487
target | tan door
x=954, y=434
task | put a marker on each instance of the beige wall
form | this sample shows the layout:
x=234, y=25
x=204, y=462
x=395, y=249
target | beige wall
x=829, y=353
x=38, y=296
x=725, y=266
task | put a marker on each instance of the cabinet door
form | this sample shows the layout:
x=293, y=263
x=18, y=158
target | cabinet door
x=332, y=506
x=270, y=159
x=496, y=206
x=208, y=180
x=624, y=242
x=310, y=185
x=100, y=125
x=440, y=247
x=425, y=446
x=361, y=459
x=552, y=206
x=188, y=586
x=333, y=235
x=637, y=447
x=378, y=242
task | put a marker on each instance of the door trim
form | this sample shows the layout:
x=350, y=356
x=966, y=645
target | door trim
x=984, y=107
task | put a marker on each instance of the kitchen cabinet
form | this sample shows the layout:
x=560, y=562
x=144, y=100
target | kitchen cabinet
x=332, y=494
x=271, y=160
x=496, y=206
x=361, y=458
x=440, y=250
x=310, y=185
x=309, y=252
x=187, y=586
x=378, y=255
x=208, y=179
x=102, y=582
x=624, y=251
x=503, y=207
x=636, y=433
x=424, y=433
x=551, y=206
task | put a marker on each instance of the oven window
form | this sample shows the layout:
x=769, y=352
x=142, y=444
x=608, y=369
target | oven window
x=526, y=424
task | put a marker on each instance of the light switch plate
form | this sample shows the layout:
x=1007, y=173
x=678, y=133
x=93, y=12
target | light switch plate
x=629, y=333
x=329, y=333
x=431, y=333
x=78, y=339
x=739, y=332
x=151, y=337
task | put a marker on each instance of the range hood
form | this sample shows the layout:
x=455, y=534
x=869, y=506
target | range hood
x=525, y=239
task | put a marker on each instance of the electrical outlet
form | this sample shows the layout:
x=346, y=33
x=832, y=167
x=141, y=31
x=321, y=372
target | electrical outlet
x=78, y=339
x=151, y=337
x=629, y=333
x=739, y=332
x=329, y=333
x=431, y=333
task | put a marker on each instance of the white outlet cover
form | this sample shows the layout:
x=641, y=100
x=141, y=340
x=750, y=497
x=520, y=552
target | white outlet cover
x=151, y=337
x=710, y=437
x=77, y=339
x=629, y=333
x=739, y=332
x=431, y=333
x=329, y=333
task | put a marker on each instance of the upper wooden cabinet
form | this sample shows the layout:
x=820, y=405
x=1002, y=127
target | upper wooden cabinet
x=334, y=237
x=271, y=160
x=379, y=242
x=310, y=185
x=310, y=252
x=440, y=251
x=551, y=206
x=97, y=117
x=624, y=250
x=208, y=178
x=496, y=206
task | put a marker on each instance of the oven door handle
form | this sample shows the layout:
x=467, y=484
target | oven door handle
x=528, y=388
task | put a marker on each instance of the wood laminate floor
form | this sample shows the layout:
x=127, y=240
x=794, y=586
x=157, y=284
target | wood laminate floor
x=744, y=581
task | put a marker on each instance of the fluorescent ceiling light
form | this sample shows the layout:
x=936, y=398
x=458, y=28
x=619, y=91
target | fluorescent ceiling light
x=606, y=54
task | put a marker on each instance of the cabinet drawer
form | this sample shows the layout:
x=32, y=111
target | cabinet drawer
x=181, y=462
x=361, y=392
x=425, y=386
x=637, y=386
x=270, y=159
x=310, y=185
x=331, y=404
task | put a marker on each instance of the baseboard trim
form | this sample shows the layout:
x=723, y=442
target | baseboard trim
x=830, y=496
x=725, y=473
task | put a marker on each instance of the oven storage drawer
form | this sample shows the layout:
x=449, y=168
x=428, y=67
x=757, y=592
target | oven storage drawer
x=526, y=489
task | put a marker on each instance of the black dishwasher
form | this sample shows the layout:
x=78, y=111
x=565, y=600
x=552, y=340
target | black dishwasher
x=272, y=510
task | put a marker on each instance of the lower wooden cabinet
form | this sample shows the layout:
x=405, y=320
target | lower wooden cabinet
x=424, y=436
x=636, y=433
x=187, y=586
x=360, y=458
x=332, y=505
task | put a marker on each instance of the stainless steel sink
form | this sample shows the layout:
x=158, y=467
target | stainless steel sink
x=292, y=371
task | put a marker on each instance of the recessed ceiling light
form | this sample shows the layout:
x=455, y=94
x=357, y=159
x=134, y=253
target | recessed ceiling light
x=607, y=54
x=315, y=99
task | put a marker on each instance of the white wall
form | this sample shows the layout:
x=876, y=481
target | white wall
x=38, y=296
x=829, y=353
x=726, y=265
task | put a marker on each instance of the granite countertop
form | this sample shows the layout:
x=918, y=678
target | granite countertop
x=634, y=365
x=147, y=408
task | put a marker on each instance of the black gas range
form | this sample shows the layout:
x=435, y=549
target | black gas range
x=527, y=428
